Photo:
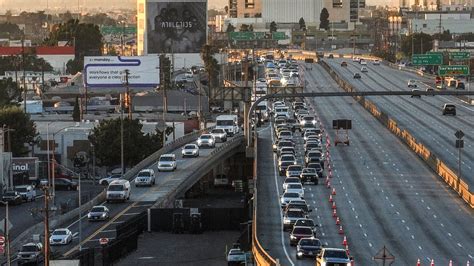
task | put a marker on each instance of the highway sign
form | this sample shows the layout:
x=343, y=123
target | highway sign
x=103, y=241
x=459, y=55
x=279, y=36
x=453, y=70
x=2, y=225
x=242, y=36
x=427, y=59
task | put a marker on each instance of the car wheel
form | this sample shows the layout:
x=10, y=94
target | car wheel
x=298, y=257
x=69, y=188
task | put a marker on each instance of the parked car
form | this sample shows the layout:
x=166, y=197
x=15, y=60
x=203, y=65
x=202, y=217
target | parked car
x=60, y=236
x=98, y=213
x=107, y=180
x=65, y=184
x=191, y=150
x=167, y=162
x=12, y=197
x=30, y=253
x=27, y=192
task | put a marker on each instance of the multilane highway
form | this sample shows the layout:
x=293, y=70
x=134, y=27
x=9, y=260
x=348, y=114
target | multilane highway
x=386, y=196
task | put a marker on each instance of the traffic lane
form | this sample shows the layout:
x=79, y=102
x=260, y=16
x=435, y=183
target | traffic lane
x=431, y=187
x=439, y=129
x=138, y=194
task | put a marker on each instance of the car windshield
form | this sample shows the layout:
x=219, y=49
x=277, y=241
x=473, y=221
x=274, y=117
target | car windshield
x=295, y=213
x=291, y=195
x=225, y=123
x=115, y=188
x=189, y=147
x=303, y=231
x=285, y=133
x=10, y=193
x=315, y=166
x=236, y=252
x=314, y=154
x=98, y=209
x=287, y=158
x=144, y=174
x=59, y=233
x=205, y=137
x=295, y=168
x=308, y=222
x=335, y=254
x=29, y=248
x=21, y=189
x=292, y=180
x=286, y=163
x=309, y=170
x=219, y=131
x=166, y=159
x=295, y=186
x=310, y=242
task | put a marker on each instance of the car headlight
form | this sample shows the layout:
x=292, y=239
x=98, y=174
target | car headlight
x=104, y=215
x=199, y=141
x=314, y=121
x=89, y=215
x=300, y=253
x=292, y=237
x=303, y=122
x=211, y=141
x=286, y=221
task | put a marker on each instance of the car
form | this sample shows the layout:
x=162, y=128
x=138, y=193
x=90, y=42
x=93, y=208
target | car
x=191, y=150
x=285, y=134
x=308, y=133
x=167, y=162
x=309, y=175
x=280, y=144
x=12, y=197
x=236, y=256
x=219, y=134
x=364, y=69
x=344, y=64
x=296, y=188
x=331, y=56
x=430, y=89
x=412, y=83
x=376, y=62
x=60, y=236
x=300, y=232
x=356, y=76
x=206, y=140
x=298, y=204
x=27, y=192
x=286, y=150
x=283, y=166
x=307, y=222
x=30, y=253
x=355, y=59
x=333, y=256
x=308, y=120
x=287, y=197
x=98, y=213
x=312, y=145
x=363, y=62
x=290, y=217
x=313, y=156
x=287, y=157
x=415, y=93
x=106, y=181
x=290, y=180
x=460, y=85
x=118, y=190
x=65, y=184
x=308, y=247
x=145, y=177
x=294, y=170
x=449, y=109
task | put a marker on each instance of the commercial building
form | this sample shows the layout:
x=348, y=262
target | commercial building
x=290, y=11
x=177, y=28
x=430, y=21
x=245, y=8
x=56, y=56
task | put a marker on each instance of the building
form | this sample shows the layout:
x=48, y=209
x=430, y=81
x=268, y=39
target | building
x=290, y=11
x=175, y=28
x=245, y=8
x=430, y=21
x=56, y=56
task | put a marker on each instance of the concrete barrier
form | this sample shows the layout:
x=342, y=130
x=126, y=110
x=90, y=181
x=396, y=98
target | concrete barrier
x=437, y=165
x=261, y=257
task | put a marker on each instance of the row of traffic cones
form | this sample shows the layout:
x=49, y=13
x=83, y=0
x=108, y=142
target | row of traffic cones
x=418, y=263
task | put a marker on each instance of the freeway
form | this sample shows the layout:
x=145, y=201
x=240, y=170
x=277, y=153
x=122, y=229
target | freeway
x=385, y=196
x=421, y=116
x=141, y=199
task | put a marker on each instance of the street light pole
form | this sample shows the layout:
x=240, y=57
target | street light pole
x=7, y=234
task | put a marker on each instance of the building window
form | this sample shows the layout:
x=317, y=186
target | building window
x=246, y=15
x=250, y=4
x=337, y=3
x=424, y=25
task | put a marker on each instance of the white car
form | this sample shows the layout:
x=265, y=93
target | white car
x=290, y=180
x=106, y=181
x=295, y=188
x=60, y=236
x=376, y=62
x=364, y=69
x=363, y=62
x=236, y=255
x=145, y=177
x=412, y=83
x=206, y=140
x=167, y=162
x=191, y=150
x=287, y=197
x=27, y=192
x=219, y=134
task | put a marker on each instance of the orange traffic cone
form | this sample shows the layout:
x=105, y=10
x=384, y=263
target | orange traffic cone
x=418, y=263
x=341, y=231
x=327, y=179
x=333, y=205
x=344, y=242
x=347, y=249
x=432, y=262
x=333, y=191
x=330, y=198
x=337, y=221
x=450, y=263
x=328, y=185
x=334, y=214
x=467, y=263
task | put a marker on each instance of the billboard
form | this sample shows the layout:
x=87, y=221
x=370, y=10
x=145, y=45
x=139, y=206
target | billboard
x=25, y=168
x=109, y=71
x=176, y=26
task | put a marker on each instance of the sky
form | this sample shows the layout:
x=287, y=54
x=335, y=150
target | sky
x=73, y=4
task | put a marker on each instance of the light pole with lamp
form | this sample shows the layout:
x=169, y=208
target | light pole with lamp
x=6, y=230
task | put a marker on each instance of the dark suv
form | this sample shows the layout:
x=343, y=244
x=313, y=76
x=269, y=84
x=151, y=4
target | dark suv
x=449, y=109
x=308, y=247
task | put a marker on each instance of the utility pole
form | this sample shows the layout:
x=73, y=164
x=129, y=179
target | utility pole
x=46, y=226
x=127, y=95
x=121, y=135
x=7, y=232
x=23, y=66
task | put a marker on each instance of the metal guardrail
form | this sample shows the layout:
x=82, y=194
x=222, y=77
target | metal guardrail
x=436, y=164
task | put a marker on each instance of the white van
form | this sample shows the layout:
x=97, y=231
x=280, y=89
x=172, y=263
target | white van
x=262, y=108
x=118, y=190
x=167, y=162
x=230, y=123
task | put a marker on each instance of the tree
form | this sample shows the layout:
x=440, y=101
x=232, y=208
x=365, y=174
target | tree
x=76, y=114
x=106, y=140
x=273, y=26
x=9, y=92
x=210, y=63
x=444, y=36
x=32, y=63
x=9, y=30
x=302, y=24
x=74, y=65
x=422, y=43
x=324, y=19
x=246, y=27
x=226, y=9
x=23, y=129
x=230, y=28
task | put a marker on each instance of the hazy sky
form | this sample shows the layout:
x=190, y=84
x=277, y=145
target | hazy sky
x=73, y=4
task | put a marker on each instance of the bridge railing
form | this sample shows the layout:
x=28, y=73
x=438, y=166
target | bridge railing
x=262, y=258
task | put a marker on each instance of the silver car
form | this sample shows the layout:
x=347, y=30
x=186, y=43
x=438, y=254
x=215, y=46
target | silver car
x=219, y=134
x=60, y=237
x=206, y=140
x=191, y=150
x=98, y=213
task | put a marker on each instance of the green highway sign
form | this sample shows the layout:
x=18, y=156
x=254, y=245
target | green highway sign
x=459, y=55
x=453, y=70
x=427, y=59
x=118, y=30
x=242, y=35
x=279, y=36
x=250, y=35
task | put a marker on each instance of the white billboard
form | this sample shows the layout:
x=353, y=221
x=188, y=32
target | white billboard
x=109, y=71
